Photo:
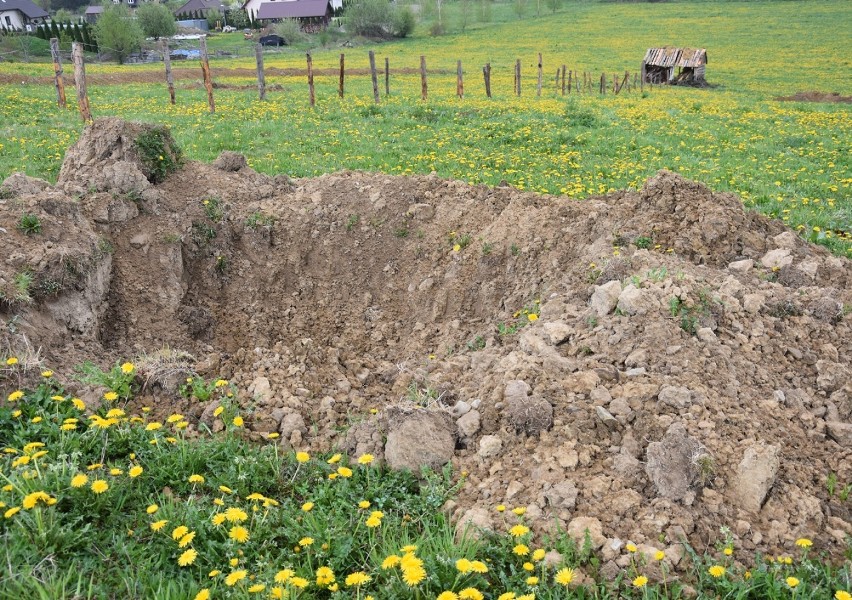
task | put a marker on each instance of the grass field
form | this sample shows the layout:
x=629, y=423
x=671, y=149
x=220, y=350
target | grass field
x=789, y=160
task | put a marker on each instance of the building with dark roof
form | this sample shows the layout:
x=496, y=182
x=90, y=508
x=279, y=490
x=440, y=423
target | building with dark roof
x=21, y=15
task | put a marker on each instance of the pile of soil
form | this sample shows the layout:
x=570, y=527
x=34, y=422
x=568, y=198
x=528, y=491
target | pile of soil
x=814, y=96
x=688, y=369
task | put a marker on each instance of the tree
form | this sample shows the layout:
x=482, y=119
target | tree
x=118, y=33
x=156, y=20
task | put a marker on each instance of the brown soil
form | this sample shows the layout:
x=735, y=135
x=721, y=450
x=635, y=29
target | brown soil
x=815, y=97
x=354, y=299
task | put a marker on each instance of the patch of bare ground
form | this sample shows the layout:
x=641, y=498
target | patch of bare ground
x=689, y=366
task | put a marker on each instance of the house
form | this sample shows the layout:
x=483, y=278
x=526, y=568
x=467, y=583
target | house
x=21, y=15
x=93, y=13
x=660, y=63
x=202, y=7
x=252, y=7
x=312, y=14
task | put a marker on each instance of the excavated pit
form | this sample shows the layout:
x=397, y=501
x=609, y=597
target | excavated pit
x=689, y=367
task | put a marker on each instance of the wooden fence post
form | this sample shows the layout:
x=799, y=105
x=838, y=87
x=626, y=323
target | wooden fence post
x=340, y=85
x=80, y=81
x=374, y=76
x=424, y=91
x=59, y=82
x=569, y=81
x=563, y=80
x=167, y=62
x=205, y=69
x=387, y=76
x=518, y=76
x=615, y=87
x=312, y=97
x=486, y=73
x=459, y=80
x=603, y=83
x=261, y=77
x=538, y=88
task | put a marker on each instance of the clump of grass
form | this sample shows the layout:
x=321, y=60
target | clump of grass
x=158, y=152
x=29, y=224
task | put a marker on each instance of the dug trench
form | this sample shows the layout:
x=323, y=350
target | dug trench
x=652, y=365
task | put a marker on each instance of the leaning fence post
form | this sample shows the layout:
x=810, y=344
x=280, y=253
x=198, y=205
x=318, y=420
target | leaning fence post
x=340, y=85
x=424, y=91
x=486, y=74
x=59, y=82
x=205, y=70
x=374, y=76
x=167, y=62
x=387, y=76
x=459, y=80
x=538, y=88
x=80, y=81
x=563, y=80
x=312, y=97
x=603, y=83
x=261, y=78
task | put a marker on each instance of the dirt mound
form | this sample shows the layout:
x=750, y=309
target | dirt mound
x=651, y=364
x=815, y=97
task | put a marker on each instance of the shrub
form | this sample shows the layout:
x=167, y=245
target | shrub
x=290, y=30
x=403, y=22
x=156, y=20
x=370, y=18
x=118, y=32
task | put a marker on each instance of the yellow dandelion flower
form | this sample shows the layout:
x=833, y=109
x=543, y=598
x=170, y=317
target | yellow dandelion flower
x=238, y=421
x=521, y=550
x=11, y=361
x=79, y=480
x=308, y=506
x=187, y=558
x=728, y=551
x=238, y=533
x=99, y=486
x=447, y=596
x=344, y=472
x=221, y=383
x=539, y=555
x=256, y=588
x=153, y=426
x=532, y=317
x=195, y=478
x=507, y=596
x=78, y=404
x=357, y=579
x=640, y=581
x=841, y=595
x=235, y=576
x=716, y=571
x=12, y=512
x=463, y=565
x=158, y=525
x=127, y=368
x=792, y=582
x=283, y=575
x=335, y=459
x=365, y=459
x=659, y=555
x=519, y=530
x=804, y=543
x=299, y=582
x=152, y=509
x=564, y=576
x=630, y=547
x=235, y=515
x=179, y=531
x=500, y=508
x=277, y=593
x=219, y=410
x=373, y=522
x=413, y=576
x=409, y=549
x=470, y=594
x=306, y=541
x=302, y=457
x=519, y=510
x=186, y=540
x=217, y=519
x=135, y=472
x=234, y=562
x=390, y=562
x=528, y=566
x=15, y=396
x=325, y=576
x=364, y=504
x=478, y=566
x=204, y=594
x=110, y=396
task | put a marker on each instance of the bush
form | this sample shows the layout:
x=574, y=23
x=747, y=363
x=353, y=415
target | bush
x=156, y=20
x=370, y=18
x=403, y=22
x=118, y=33
x=290, y=30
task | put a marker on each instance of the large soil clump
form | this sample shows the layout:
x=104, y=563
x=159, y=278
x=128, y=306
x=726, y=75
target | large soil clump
x=651, y=365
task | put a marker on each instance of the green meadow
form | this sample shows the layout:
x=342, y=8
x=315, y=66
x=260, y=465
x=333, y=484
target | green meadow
x=790, y=160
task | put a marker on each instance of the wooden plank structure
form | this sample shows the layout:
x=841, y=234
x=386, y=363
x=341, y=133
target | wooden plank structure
x=674, y=65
